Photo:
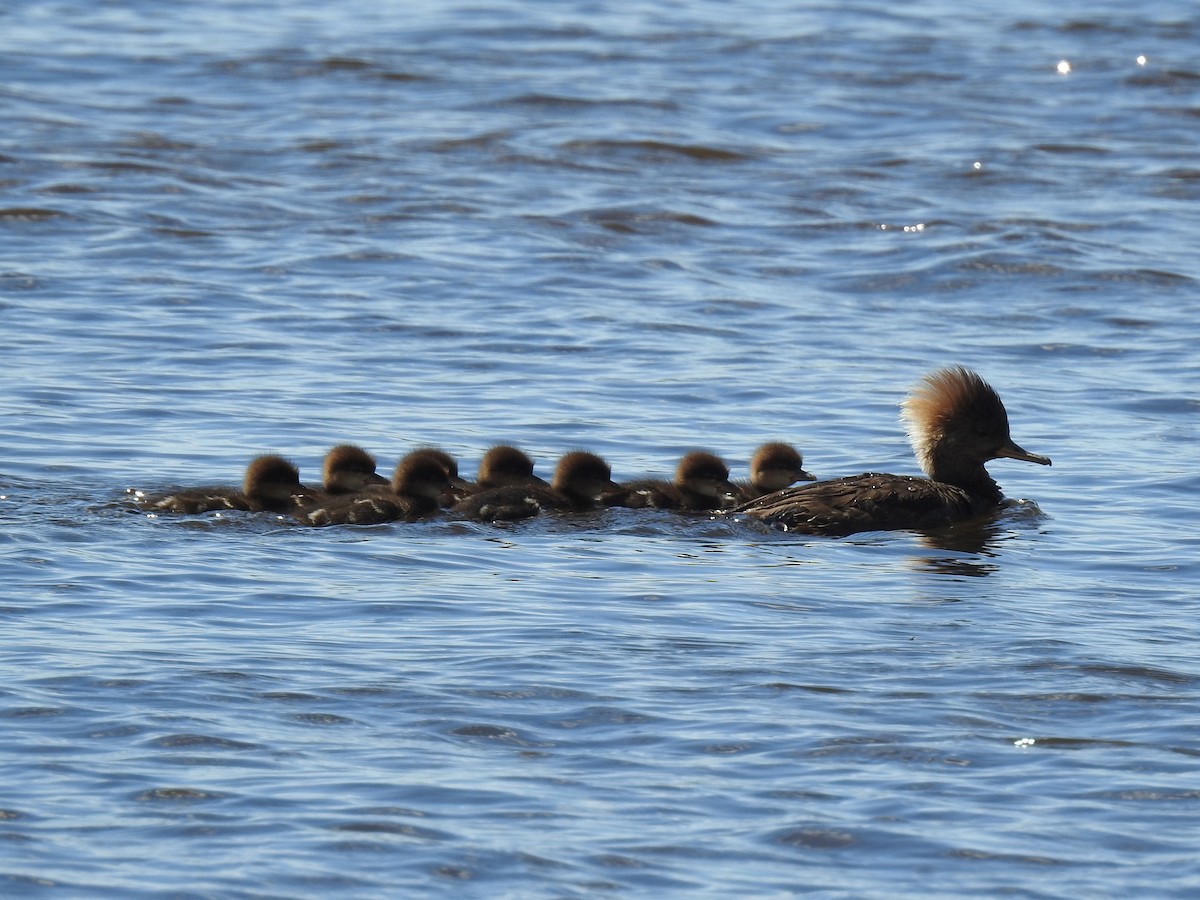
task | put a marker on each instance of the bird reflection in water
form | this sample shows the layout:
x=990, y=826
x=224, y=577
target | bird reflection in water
x=980, y=536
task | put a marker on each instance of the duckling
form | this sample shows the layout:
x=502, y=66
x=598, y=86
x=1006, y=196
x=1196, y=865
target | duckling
x=459, y=487
x=701, y=483
x=349, y=469
x=271, y=484
x=774, y=466
x=504, y=465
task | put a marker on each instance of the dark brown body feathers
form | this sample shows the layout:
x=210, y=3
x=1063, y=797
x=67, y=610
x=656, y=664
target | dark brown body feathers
x=868, y=502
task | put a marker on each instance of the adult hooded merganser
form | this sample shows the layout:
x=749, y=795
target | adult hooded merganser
x=271, y=484
x=349, y=469
x=504, y=465
x=416, y=489
x=580, y=479
x=774, y=466
x=956, y=423
x=701, y=483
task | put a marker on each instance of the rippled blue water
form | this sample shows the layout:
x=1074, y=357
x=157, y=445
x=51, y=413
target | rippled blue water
x=230, y=228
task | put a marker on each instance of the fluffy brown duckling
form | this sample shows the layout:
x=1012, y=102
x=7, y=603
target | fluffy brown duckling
x=956, y=423
x=416, y=489
x=774, y=466
x=506, y=465
x=271, y=484
x=349, y=469
x=701, y=483
x=459, y=487
x=580, y=479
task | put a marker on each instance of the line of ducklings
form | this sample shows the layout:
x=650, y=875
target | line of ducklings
x=956, y=423
x=427, y=482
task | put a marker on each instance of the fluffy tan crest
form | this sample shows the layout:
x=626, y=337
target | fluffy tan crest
x=949, y=401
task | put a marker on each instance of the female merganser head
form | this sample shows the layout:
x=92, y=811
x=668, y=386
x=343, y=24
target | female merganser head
x=503, y=465
x=349, y=469
x=417, y=486
x=579, y=481
x=701, y=483
x=774, y=466
x=956, y=423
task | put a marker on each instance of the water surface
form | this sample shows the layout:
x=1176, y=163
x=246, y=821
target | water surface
x=640, y=228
